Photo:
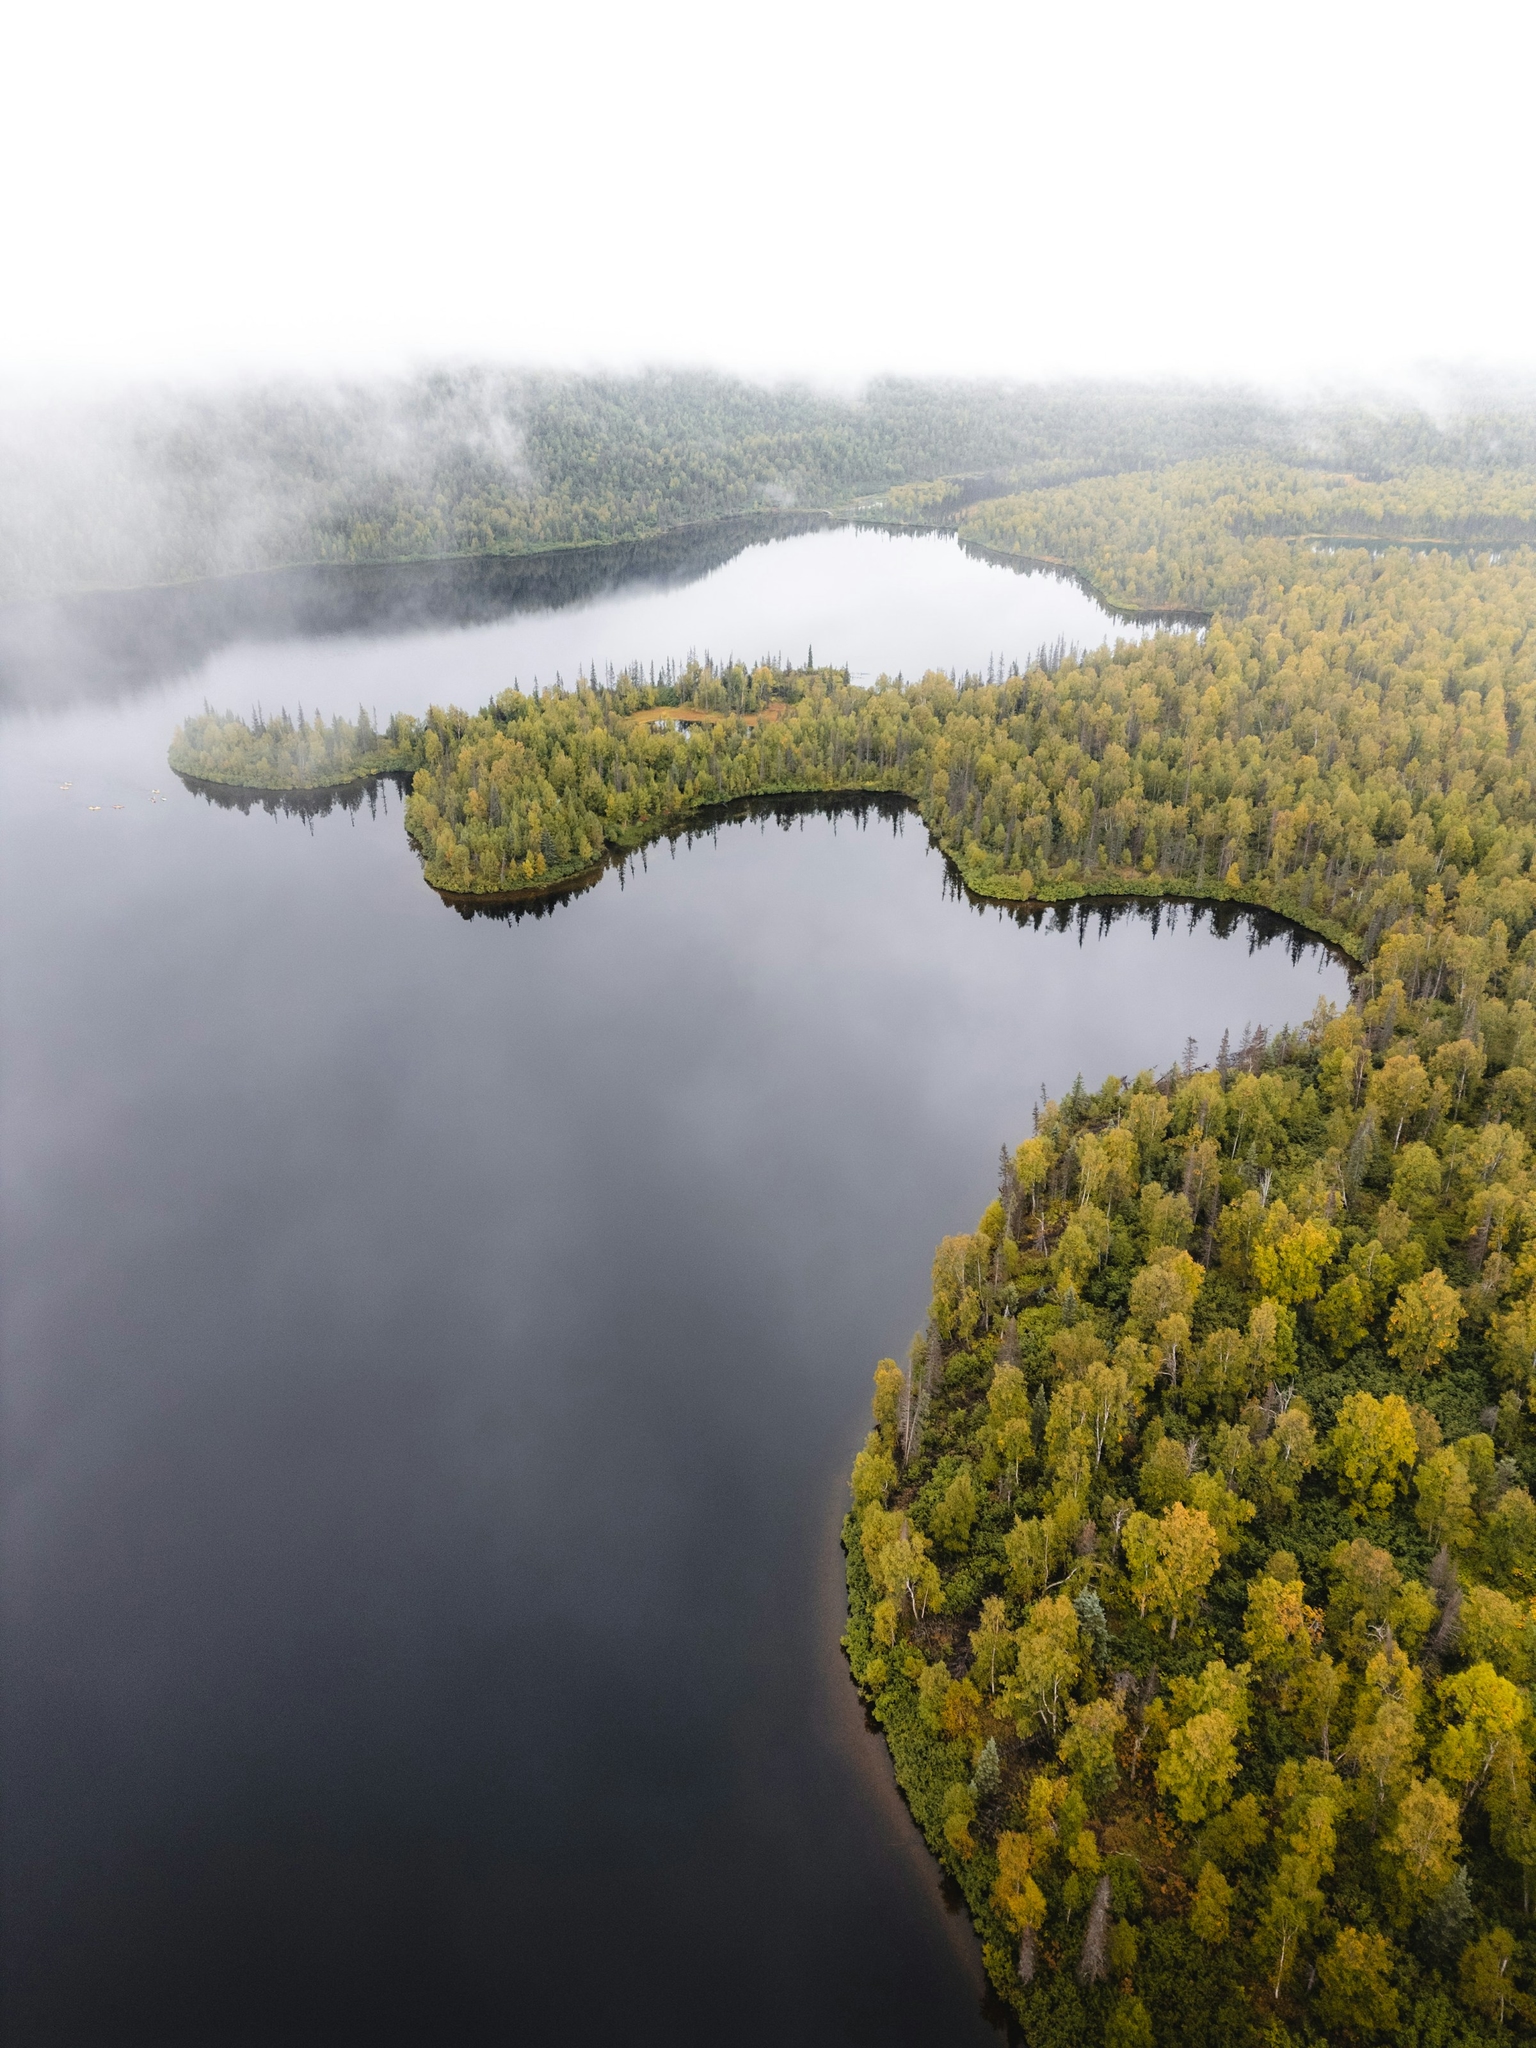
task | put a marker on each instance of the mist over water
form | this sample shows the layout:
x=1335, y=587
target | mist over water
x=434, y=1348
x=401, y=639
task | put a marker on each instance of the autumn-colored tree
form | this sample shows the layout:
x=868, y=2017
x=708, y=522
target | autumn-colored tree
x=874, y=1471
x=933, y=1686
x=889, y=1383
x=1486, y=1716
x=1088, y=1746
x=1139, y=1541
x=1165, y=1472
x=1008, y=1413
x=902, y=1567
x=1445, y=1508
x=1318, y=1684
x=1290, y=1256
x=1366, y=1581
x=1287, y=1454
x=1188, y=1552
x=1278, y=1630
x=1210, y=1916
x=1345, y=1314
x=1424, y=1322
x=959, y=1813
x=1017, y=1896
x=1129, y=2024
x=1371, y=1446
x=1038, y=1555
x=987, y=1638
x=1355, y=1995
x=1499, y=1631
x=1426, y=1839
x=1223, y=1507
x=954, y=1514
x=1294, y=1902
x=1487, y=1977
x=1513, y=1337
x=1397, y=1093
x=1201, y=1757
x=1385, y=1742
x=1416, y=1181
x=1168, y=1286
x=1195, y=1771
x=1046, y=1666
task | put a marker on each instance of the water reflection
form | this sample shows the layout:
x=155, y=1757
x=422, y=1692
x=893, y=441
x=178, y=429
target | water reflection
x=101, y=644
x=307, y=804
x=433, y=1357
x=1099, y=914
x=1136, y=615
x=1093, y=915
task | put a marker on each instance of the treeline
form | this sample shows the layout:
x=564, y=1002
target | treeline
x=1192, y=1561
x=168, y=487
x=1192, y=534
x=293, y=753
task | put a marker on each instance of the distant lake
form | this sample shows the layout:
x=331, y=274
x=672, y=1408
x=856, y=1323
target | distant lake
x=434, y=1347
x=459, y=631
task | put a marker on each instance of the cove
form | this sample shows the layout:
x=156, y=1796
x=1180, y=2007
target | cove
x=433, y=1353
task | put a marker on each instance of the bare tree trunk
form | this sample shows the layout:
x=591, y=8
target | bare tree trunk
x=1027, y=1956
x=1093, y=1964
x=925, y=1369
x=1442, y=1578
x=1212, y=1217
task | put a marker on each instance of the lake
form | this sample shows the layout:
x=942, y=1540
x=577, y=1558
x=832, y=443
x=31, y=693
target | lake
x=434, y=1346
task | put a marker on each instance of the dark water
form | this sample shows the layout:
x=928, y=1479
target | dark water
x=433, y=1352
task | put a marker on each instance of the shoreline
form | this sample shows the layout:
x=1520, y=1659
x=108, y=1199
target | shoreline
x=1110, y=888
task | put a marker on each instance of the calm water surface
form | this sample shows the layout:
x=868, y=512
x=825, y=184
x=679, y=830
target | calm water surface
x=433, y=1352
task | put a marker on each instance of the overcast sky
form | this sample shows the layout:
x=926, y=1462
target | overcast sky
x=1283, y=191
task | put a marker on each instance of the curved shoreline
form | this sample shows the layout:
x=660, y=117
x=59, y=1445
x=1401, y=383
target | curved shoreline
x=1112, y=888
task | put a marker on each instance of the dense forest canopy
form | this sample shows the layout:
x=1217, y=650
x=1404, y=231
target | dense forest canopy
x=1192, y=1561
x=172, y=486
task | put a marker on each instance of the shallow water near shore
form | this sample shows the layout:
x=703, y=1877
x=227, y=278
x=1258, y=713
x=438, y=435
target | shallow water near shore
x=434, y=1348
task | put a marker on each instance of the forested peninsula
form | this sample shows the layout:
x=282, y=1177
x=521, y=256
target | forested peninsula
x=1192, y=1564
x=1350, y=738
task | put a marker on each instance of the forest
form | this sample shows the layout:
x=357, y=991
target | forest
x=163, y=488
x=1192, y=1563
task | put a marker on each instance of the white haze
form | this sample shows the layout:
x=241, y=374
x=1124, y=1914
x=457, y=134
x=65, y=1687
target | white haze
x=1290, y=193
